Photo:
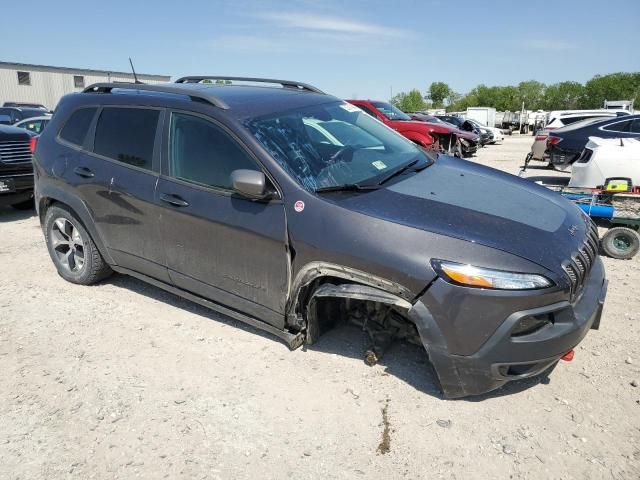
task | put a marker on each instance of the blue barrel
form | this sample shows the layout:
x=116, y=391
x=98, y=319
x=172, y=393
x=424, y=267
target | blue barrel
x=598, y=211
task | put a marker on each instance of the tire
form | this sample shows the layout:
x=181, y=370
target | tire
x=72, y=249
x=621, y=243
x=25, y=205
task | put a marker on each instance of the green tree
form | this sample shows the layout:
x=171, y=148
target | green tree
x=615, y=86
x=531, y=93
x=411, y=101
x=563, y=96
x=438, y=93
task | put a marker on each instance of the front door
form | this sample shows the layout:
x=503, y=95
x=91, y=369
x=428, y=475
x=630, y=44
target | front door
x=219, y=245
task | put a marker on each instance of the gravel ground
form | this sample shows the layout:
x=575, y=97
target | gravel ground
x=123, y=380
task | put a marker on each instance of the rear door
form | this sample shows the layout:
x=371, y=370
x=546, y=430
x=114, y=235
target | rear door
x=219, y=245
x=115, y=173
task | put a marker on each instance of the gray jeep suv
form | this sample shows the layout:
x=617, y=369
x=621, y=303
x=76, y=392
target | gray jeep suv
x=289, y=209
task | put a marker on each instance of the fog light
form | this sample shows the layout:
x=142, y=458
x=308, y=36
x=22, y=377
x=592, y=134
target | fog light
x=531, y=324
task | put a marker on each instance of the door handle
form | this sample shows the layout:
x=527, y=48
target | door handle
x=83, y=172
x=174, y=200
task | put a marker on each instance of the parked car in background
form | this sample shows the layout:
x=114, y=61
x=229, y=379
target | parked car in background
x=25, y=105
x=232, y=204
x=16, y=169
x=605, y=158
x=34, y=124
x=562, y=118
x=497, y=135
x=434, y=136
x=565, y=145
x=484, y=133
x=469, y=141
x=12, y=115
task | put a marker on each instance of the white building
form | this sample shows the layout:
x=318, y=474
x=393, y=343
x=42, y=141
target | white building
x=42, y=84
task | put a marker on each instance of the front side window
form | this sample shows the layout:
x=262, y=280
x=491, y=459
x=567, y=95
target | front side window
x=391, y=111
x=332, y=144
x=127, y=135
x=76, y=128
x=201, y=152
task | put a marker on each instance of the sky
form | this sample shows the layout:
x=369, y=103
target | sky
x=350, y=48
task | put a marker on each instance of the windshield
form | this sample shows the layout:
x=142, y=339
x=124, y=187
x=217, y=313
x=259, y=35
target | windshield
x=390, y=111
x=333, y=144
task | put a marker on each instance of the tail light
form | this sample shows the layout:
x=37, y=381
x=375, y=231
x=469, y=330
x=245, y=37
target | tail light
x=553, y=140
x=33, y=143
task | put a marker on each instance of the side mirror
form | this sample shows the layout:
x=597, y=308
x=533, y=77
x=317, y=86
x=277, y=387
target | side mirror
x=249, y=183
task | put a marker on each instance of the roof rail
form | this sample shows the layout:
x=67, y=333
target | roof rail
x=196, y=94
x=284, y=83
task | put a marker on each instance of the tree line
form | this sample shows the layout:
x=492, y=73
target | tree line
x=535, y=95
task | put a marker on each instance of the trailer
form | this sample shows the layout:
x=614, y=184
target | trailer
x=483, y=115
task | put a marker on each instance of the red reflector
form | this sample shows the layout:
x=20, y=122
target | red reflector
x=567, y=357
x=33, y=143
x=553, y=140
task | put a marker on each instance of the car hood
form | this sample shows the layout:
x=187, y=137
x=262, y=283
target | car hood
x=13, y=134
x=418, y=126
x=481, y=205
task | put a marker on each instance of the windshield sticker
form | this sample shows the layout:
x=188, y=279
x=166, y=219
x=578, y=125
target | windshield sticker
x=298, y=206
x=350, y=108
x=379, y=164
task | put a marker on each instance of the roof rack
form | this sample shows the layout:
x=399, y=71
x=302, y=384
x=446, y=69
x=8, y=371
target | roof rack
x=196, y=94
x=284, y=83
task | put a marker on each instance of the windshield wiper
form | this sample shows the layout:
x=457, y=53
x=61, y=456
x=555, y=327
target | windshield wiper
x=398, y=171
x=347, y=187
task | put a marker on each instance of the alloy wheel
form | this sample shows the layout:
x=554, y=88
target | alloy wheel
x=67, y=244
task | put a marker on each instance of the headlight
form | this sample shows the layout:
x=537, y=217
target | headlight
x=471, y=276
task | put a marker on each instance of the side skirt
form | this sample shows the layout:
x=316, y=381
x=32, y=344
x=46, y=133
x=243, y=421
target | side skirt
x=293, y=340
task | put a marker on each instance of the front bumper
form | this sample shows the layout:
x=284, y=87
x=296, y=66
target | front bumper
x=503, y=357
x=15, y=188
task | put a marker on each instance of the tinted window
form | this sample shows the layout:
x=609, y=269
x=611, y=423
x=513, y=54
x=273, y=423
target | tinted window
x=127, y=135
x=76, y=128
x=635, y=126
x=34, y=126
x=203, y=153
x=367, y=110
x=619, y=126
x=391, y=111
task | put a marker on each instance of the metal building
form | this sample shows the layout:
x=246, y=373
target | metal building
x=43, y=84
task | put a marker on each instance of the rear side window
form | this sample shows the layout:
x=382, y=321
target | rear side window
x=201, y=152
x=76, y=128
x=127, y=135
x=619, y=126
x=635, y=126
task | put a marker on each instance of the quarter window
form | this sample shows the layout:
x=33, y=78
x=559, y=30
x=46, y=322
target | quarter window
x=127, y=135
x=618, y=126
x=24, y=78
x=202, y=153
x=76, y=128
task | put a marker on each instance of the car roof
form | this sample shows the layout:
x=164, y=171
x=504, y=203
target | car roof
x=31, y=119
x=239, y=100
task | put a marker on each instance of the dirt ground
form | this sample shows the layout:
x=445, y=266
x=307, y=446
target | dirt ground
x=123, y=380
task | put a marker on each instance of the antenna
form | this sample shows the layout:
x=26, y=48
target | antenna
x=135, y=77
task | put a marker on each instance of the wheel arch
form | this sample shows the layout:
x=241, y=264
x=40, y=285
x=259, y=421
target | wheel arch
x=49, y=196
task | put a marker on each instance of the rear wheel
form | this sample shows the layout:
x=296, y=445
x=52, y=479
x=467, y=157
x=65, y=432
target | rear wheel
x=72, y=250
x=621, y=243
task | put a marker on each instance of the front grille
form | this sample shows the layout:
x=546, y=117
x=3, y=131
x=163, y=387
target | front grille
x=15, y=152
x=579, y=266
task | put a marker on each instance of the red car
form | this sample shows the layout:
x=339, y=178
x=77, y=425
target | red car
x=428, y=135
x=469, y=141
